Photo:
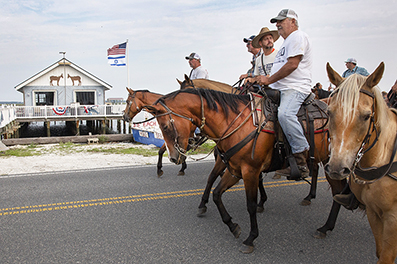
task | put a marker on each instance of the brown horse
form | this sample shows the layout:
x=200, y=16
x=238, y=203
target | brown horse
x=226, y=119
x=219, y=165
x=135, y=101
x=363, y=140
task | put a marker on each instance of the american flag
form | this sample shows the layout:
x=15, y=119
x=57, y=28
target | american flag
x=116, y=55
x=117, y=49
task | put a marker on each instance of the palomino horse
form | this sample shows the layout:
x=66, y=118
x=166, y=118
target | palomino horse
x=135, y=101
x=225, y=118
x=363, y=143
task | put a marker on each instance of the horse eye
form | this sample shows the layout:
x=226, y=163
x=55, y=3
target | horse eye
x=367, y=116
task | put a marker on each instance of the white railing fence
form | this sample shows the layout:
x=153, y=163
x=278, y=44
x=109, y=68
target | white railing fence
x=7, y=115
x=11, y=113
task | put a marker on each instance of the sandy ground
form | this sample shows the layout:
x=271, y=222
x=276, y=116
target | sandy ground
x=79, y=159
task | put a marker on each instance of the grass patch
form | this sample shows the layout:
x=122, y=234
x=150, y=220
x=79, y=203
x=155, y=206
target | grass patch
x=19, y=152
x=68, y=147
x=132, y=150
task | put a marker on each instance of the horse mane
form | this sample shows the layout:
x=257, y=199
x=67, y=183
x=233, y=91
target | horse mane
x=226, y=101
x=347, y=96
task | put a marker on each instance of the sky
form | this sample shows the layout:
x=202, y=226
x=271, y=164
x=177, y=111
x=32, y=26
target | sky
x=161, y=33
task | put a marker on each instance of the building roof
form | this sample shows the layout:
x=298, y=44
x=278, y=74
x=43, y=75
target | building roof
x=62, y=62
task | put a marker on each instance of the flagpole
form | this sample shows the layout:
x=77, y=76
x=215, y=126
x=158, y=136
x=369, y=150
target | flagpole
x=128, y=65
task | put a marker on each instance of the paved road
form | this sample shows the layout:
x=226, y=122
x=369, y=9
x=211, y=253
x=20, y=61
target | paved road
x=128, y=215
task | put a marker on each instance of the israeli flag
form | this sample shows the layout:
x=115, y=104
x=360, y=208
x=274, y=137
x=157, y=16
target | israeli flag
x=117, y=60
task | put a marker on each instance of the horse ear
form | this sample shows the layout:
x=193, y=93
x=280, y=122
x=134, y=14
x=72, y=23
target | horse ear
x=180, y=83
x=129, y=90
x=376, y=76
x=187, y=79
x=333, y=76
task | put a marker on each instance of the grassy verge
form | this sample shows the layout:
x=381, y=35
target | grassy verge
x=68, y=148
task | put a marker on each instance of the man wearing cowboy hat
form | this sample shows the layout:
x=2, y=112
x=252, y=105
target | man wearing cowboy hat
x=265, y=40
x=198, y=71
x=291, y=75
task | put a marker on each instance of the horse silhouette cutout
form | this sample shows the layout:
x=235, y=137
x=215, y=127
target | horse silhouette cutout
x=55, y=78
x=75, y=79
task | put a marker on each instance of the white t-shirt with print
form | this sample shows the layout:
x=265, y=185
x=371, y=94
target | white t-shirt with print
x=297, y=43
x=199, y=73
x=267, y=62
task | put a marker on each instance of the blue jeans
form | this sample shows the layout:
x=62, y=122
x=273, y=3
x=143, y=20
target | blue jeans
x=290, y=102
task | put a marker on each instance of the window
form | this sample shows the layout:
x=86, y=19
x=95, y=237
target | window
x=44, y=98
x=85, y=98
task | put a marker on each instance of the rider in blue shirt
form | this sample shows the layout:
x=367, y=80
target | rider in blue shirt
x=352, y=68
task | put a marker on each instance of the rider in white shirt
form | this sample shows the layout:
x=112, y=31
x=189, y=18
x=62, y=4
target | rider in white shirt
x=198, y=71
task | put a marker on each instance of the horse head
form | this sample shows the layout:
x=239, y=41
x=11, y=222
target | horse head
x=187, y=83
x=131, y=109
x=176, y=128
x=354, y=119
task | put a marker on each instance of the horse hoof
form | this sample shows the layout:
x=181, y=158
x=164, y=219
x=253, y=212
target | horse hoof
x=305, y=203
x=201, y=211
x=319, y=235
x=160, y=173
x=246, y=249
x=260, y=209
x=181, y=173
x=237, y=231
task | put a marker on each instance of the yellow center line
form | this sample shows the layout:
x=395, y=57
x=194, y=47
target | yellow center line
x=130, y=199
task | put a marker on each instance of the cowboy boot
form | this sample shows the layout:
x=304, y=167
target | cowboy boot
x=302, y=167
x=349, y=201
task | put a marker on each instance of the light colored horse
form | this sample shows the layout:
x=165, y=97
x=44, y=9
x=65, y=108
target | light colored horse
x=362, y=126
x=206, y=84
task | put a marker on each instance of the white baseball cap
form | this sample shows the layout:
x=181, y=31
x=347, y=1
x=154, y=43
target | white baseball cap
x=284, y=14
x=352, y=60
x=193, y=55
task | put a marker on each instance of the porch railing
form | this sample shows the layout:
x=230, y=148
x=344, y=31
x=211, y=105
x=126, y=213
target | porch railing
x=11, y=113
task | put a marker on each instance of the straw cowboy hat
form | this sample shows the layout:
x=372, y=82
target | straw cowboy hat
x=264, y=31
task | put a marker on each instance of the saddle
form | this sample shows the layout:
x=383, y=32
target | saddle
x=264, y=106
x=312, y=115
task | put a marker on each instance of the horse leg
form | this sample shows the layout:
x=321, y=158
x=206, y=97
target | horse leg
x=336, y=187
x=216, y=171
x=384, y=229
x=251, y=187
x=313, y=187
x=160, y=161
x=183, y=168
x=226, y=182
x=263, y=195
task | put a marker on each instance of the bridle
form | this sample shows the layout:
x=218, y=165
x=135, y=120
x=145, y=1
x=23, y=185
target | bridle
x=172, y=123
x=372, y=174
x=371, y=129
